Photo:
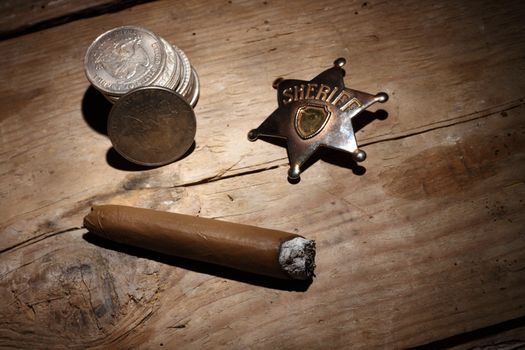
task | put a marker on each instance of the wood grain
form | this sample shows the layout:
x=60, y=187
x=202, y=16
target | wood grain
x=426, y=244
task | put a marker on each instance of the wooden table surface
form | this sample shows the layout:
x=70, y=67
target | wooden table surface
x=424, y=245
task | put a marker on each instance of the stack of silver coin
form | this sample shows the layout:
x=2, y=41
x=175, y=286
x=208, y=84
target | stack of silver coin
x=129, y=57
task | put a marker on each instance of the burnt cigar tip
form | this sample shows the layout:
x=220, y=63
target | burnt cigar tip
x=297, y=258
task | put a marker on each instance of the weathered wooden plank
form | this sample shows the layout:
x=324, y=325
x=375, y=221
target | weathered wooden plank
x=22, y=17
x=407, y=254
x=425, y=245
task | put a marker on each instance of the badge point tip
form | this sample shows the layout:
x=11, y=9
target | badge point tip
x=253, y=135
x=382, y=97
x=340, y=62
x=359, y=155
x=294, y=172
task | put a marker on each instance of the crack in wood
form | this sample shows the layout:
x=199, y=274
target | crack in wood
x=133, y=327
x=90, y=301
x=37, y=239
x=466, y=118
x=224, y=177
x=42, y=207
x=27, y=264
x=221, y=176
x=23, y=303
x=476, y=334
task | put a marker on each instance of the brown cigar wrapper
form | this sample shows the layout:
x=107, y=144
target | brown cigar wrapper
x=238, y=246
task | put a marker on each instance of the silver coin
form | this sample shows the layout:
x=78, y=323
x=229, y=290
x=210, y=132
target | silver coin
x=177, y=75
x=196, y=88
x=124, y=58
x=170, y=68
x=192, y=93
x=112, y=99
x=186, y=71
x=189, y=90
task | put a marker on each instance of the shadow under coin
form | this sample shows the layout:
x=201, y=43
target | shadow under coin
x=115, y=160
x=95, y=110
x=201, y=267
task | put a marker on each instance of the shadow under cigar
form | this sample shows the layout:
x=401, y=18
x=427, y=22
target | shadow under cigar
x=201, y=267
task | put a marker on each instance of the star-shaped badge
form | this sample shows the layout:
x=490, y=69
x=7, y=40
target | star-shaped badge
x=316, y=113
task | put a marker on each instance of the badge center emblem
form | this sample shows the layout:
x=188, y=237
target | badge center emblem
x=310, y=120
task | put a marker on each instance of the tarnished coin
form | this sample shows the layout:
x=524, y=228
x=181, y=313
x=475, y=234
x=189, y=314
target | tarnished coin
x=151, y=126
x=124, y=58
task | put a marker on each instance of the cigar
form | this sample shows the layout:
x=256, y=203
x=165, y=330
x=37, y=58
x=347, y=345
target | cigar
x=254, y=249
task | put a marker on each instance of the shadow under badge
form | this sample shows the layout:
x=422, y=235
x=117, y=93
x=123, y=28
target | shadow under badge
x=316, y=113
